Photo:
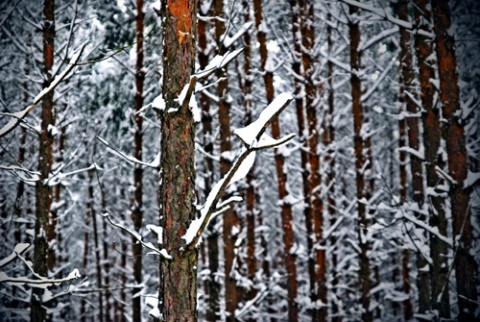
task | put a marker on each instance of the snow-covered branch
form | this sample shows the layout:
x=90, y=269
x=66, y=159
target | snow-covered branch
x=386, y=16
x=251, y=136
x=39, y=281
x=19, y=116
x=153, y=164
x=162, y=252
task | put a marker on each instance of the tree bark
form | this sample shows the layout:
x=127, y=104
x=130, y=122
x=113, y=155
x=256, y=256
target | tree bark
x=213, y=287
x=355, y=64
x=432, y=133
x=177, y=194
x=453, y=133
x=137, y=207
x=230, y=219
x=43, y=193
x=302, y=135
x=286, y=207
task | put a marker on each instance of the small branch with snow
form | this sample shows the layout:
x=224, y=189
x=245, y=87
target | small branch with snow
x=161, y=252
x=40, y=281
x=251, y=136
x=153, y=164
x=19, y=116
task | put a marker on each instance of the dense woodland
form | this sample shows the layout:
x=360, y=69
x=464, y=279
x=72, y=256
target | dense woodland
x=221, y=160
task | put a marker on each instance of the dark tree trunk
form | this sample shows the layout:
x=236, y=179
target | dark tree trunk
x=137, y=207
x=212, y=287
x=304, y=155
x=364, y=272
x=43, y=193
x=177, y=195
x=432, y=133
x=453, y=133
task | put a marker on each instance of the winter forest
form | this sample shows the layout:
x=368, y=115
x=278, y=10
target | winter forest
x=239, y=160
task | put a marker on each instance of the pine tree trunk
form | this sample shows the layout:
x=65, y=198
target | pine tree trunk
x=177, y=195
x=213, y=287
x=137, y=207
x=43, y=193
x=304, y=155
x=453, y=133
x=355, y=64
x=432, y=133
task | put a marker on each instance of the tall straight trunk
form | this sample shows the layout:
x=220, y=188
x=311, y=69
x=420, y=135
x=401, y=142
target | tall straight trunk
x=177, y=195
x=43, y=193
x=137, y=207
x=328, y=138
x=302, y=134
x=213, y=287
x=312, y=92
x=286, y=207
x=356, y=83
x=96, y=245
x=86, y=249
x=250, y=191
x=432, y=133
x=230, y=219
x=407, y=80
x=453, y=133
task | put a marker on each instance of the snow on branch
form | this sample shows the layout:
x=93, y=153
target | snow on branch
x=153, y=164
x=251, y=135
x=162, y=252
x=19, y=116
x=382, y=13
x=40, y=281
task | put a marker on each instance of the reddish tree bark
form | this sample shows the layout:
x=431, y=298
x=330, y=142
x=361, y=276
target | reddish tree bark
x=453, y=133
x=178, y=283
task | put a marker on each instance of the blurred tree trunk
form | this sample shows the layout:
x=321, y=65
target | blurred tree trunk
x=137, y=207
x=178, y=276
x=312, y=93
x=407, y=92
x=230, y=218
x=432, y=133
x=364, y=262
x=43, y=193
x=453, y=133
x=213, y=287
x=302, y=136
x=283, y=193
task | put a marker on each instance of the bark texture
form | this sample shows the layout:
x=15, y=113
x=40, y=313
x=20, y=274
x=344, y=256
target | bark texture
x=43, y=192
x=356, y=83
x=453, y=133
x=177, y=194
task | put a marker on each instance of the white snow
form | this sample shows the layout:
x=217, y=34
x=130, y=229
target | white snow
x=219, y=61
x=228, y=41
x=244, y=168
x=159, y=103
x=165, y=254
x=249, y=133
x=472, y=178
x=157, y=230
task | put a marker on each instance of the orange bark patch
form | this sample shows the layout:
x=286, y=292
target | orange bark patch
x=180, y=10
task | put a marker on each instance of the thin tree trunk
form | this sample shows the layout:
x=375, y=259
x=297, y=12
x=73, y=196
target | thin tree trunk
x=329, y=161
x=43, y=192
x=432, y=133
x=302, y=134
x=407, y=78
x=213, y=287
x=312, y=92
x=230, y=219
x=250, y=192
x=453, y=133
x=286, y=207
x=137, y=207
x=177, y=195
x=364, y=272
